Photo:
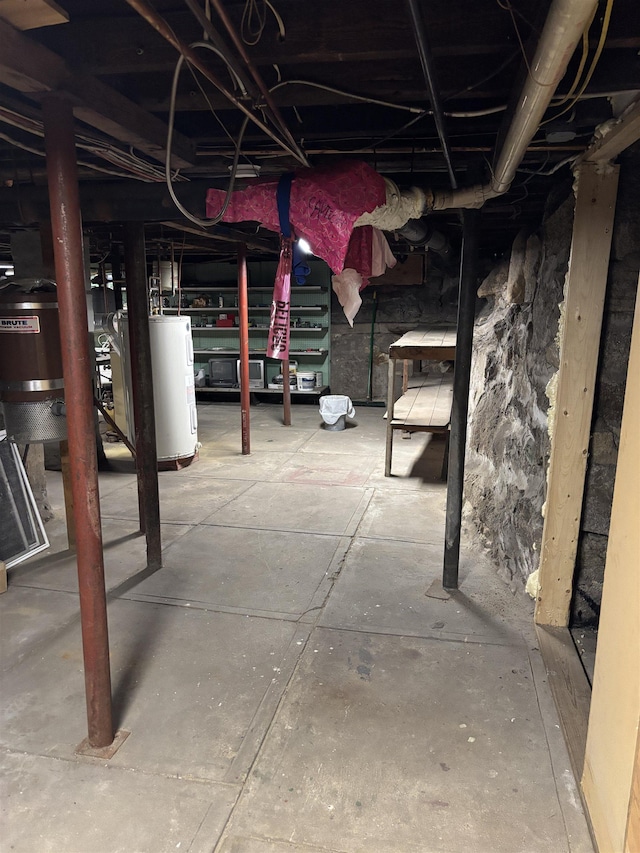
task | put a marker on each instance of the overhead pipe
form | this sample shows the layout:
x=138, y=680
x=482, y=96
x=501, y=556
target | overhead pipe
x=160, y=25
x=426, y=60
x=563, y=29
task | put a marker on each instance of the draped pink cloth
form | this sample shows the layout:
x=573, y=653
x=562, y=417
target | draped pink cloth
x=325, y=203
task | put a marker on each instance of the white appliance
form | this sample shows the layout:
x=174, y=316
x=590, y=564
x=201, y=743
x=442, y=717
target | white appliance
x=174, y=394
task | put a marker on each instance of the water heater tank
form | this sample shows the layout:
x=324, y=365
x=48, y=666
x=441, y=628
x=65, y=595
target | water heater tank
x=31, y=382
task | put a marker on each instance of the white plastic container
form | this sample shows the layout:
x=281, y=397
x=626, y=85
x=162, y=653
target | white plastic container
x=306, y=381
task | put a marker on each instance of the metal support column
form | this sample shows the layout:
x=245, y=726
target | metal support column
x=243, y=311
x=460, y=406
x=135, y=264
x=286, y=394
x=116, y=275
x=62, y=176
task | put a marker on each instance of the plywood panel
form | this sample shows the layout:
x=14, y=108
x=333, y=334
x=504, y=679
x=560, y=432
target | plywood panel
x=579, y=345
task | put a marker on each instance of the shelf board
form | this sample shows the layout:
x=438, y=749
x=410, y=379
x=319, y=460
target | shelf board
x=298, y=330
x=212, y=310
x=215, y=352
x=211, y=288
x=294, y=391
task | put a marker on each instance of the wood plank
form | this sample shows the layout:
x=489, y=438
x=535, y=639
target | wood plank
x=632, y=841
x=614, y=719
x=621, y=135
x=30, y=68
x=30, y=14
x=584, y=302
x=570, y=688
x=426, y=344
x=426, y=404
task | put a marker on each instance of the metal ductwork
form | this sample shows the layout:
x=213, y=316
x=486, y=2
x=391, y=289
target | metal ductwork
x=418, y=232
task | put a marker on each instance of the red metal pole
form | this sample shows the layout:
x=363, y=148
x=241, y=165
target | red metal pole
x=62, y=175
x=243, y=311
x=286, y=394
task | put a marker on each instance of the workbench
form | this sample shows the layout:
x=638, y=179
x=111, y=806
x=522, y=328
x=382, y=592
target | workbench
x=425, y=402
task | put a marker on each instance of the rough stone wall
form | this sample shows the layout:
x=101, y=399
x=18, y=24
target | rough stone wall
x=399, y=309
x=515, y=356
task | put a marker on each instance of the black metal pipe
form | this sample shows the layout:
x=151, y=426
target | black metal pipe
x=243, y=311
x=135, y=264
x=66, y=226
x=426, y=60
x=460, y=406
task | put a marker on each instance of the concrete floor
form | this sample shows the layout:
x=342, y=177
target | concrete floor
x=288, y=685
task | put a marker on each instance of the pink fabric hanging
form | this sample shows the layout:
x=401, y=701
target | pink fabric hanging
x=325, y=203
x=278, y=343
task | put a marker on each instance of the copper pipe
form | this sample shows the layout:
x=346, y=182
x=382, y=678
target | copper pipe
x=243, y=311
x=266, y=94
x=135, y=265
x=64, y=200
x=160, y=25
x=286, y=394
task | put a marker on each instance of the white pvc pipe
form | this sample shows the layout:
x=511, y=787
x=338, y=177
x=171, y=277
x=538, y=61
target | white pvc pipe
x=566, y=21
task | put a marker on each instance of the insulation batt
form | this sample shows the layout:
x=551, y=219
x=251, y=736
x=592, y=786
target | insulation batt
x=325, y=204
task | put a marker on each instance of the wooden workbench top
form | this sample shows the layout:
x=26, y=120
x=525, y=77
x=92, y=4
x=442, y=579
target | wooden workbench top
x=438, y=344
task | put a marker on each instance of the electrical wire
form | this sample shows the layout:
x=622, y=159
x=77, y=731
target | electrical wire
x=418, y=111
x=335, y=91
x=252, y=32
x=204, y=223
x=24, y=147
x=135, y=166
x=485, y=79
x=606, y=20
x=506, y=5
x=583, y=61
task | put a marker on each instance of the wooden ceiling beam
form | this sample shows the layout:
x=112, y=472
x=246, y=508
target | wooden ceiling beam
x=30, y=68
x=616, y=136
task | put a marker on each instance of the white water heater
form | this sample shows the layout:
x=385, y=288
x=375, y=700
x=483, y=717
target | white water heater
x=174, y=394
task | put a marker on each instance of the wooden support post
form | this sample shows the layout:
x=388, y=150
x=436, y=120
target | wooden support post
x=611, y=779
x=584, y=302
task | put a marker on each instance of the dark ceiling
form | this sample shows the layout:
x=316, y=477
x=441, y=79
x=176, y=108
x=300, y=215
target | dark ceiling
x=107, y=53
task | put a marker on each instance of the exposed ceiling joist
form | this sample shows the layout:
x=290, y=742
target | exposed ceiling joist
x=30, y=68
x=31, y=14
x=616, y=135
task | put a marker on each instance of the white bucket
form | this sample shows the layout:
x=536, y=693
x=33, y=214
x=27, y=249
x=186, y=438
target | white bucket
x=306, y=381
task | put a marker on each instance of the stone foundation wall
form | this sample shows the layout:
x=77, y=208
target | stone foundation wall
x=398, y=310
x=515, y=356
